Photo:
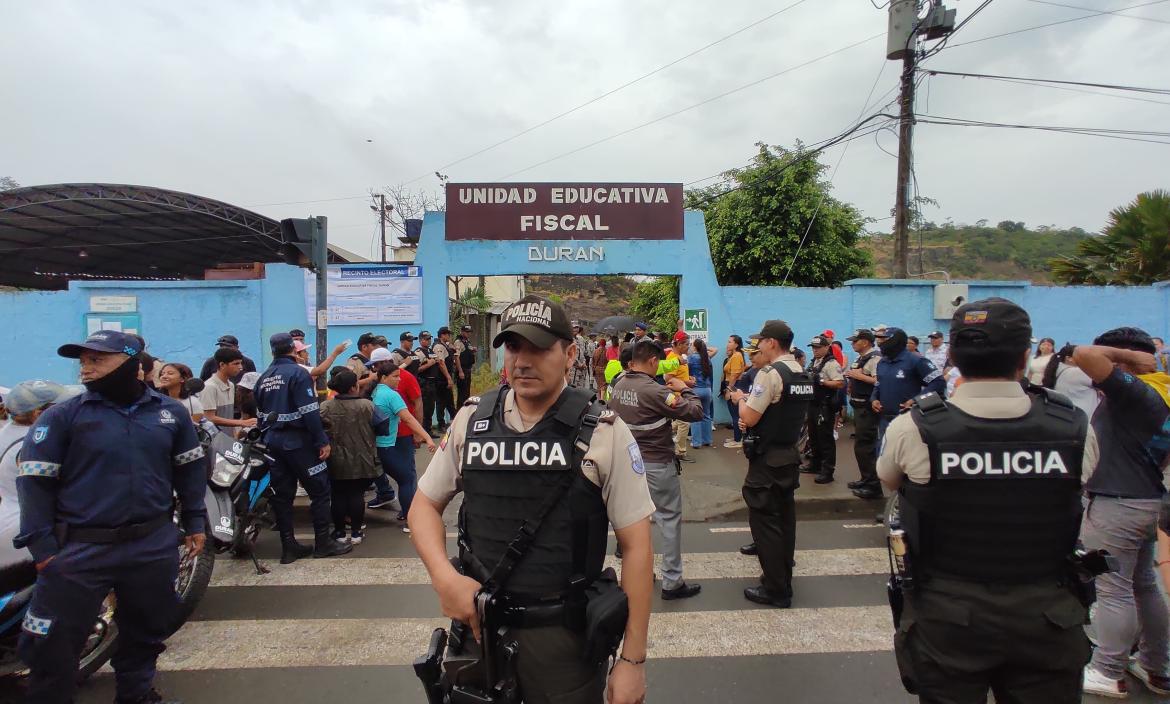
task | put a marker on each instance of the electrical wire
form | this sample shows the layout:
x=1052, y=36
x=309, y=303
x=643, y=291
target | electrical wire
x=701, y=103
x=1059, y=22
x=832, y=176
x=612, y=91
x=1092, y=92
x=1090, y=9
x=1109, y=133
x=939, y=47
x=994, y=77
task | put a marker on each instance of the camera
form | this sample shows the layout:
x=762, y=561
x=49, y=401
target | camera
x=958, y=301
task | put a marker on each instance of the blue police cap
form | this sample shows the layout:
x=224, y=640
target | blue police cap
x=107, y=341
x=280, y=339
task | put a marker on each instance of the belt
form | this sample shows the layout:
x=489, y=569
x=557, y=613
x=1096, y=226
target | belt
x=109, y=536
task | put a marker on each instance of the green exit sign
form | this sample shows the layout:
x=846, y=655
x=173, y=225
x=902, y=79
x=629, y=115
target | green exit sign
x=695, y=320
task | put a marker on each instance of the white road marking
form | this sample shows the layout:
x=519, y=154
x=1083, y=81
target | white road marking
x=211, y=645
x=389, y=571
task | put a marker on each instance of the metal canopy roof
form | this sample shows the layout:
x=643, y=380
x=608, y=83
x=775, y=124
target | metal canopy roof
x=51, y=234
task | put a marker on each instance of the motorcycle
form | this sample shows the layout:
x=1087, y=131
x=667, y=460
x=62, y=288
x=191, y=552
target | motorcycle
x=16, y=586
x=237, y=502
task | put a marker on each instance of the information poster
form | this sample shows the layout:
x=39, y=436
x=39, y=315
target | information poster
x=369, y=294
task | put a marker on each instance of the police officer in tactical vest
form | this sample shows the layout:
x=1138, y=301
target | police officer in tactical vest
x=990, y=485
x=773, y=413
x=862, y=376
x=544, y=471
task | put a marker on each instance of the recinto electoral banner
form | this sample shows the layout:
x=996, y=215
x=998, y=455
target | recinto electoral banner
x=564, y=211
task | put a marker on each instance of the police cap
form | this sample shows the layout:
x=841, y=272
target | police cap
x=405, y=336
x=227, y=341
x=997, y=320
x=775, y=330
x=538, y=320
x=465, y=328
x=444, y=330
x=280, y=339
x=862, y=334
x=107, y=341
x=367, y=338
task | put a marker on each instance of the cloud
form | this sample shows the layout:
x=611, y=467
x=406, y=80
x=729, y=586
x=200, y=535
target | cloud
x=276, y=101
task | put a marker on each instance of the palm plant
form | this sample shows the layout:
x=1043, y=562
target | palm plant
x=1133, y=250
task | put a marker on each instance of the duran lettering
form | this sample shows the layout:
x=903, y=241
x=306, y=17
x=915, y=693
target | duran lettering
x=516, y=453
x=1023, y=462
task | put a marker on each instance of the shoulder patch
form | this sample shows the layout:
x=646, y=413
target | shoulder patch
x=473, y=401
x=607, y=416
x=636, y=462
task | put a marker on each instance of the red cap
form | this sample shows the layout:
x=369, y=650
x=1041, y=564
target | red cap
x=680, y=336
x=829, y=334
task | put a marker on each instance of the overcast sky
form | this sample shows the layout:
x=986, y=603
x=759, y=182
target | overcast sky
x=269, y=102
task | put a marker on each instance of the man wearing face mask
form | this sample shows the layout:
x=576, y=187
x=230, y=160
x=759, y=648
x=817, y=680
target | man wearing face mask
x=96, y=478
x=901, y=375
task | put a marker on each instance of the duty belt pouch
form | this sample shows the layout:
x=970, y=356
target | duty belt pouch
x=606, y=611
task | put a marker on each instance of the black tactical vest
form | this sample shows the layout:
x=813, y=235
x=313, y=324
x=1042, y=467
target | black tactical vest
x=506, y=476
x=431, y=372
x=466, y=357
x=781, y=423
x=1003, y=502
x=859, y=391
x=822, y=395
x=409, y=361
x=449, y=360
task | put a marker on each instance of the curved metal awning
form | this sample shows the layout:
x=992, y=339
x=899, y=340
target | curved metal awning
x=51, y=234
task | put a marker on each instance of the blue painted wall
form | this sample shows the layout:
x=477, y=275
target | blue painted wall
x=181, y=320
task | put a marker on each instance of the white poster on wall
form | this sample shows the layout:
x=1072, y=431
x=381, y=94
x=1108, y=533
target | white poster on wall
x=369, y=294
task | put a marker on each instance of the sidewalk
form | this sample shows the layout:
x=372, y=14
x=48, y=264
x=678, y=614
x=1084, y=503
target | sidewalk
x=711, y=485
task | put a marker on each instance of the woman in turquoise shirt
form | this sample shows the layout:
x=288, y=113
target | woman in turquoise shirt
x=387, y=400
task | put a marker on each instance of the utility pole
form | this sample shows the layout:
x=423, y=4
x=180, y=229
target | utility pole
x=900, y=44
x=319, y=229
x=382, y=222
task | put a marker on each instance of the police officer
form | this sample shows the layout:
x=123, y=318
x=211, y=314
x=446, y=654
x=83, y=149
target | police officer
x=774, y=410
x=822, y=414
x=465, y=357
x=97, y=476
x=990, y=486
x=427, y=365
x=862, y=376
x=445, y=384
x=901, y=375
x=406, y=357
x=296, y=440
x=507, y=451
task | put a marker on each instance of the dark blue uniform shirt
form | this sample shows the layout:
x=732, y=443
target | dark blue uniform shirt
x=904, y=377
x=1133, y=432
x=90, y=463
x=286, y=389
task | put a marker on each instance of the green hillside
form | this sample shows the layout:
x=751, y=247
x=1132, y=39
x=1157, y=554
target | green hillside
x=1008, y=251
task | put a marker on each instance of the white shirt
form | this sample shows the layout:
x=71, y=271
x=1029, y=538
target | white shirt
x=937, y=355
x=10, y=433
x=1078, y=387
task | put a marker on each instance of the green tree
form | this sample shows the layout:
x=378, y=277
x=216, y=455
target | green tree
x=656, y=302
x=469, y=302
x=1133, y=249
x=756, y=229
x=7, y=182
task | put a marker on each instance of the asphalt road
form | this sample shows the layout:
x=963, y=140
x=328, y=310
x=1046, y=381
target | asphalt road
x=346, y=629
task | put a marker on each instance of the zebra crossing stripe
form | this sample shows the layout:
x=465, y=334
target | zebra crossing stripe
x=211, y=645
x=390, y=571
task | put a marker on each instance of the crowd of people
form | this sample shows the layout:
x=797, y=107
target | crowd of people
x=787, y=412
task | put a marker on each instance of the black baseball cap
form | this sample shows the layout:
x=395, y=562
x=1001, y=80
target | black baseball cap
x=775, y=330
x=406, y=336
x=297, y=332
x=820, y=341
x=936, y=333
x=425, y=335
x=465, y=328
x=444, y=330
x=367, y=338
x=862, y=334
x=280, y=339
x=106, y=341
x=998, y=320
x=536, y=319
x=228, y=340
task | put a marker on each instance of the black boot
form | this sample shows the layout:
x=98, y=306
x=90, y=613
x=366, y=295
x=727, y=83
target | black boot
x=824, y=477
x=327, y=546
x=151, y=697
x=291, y=550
